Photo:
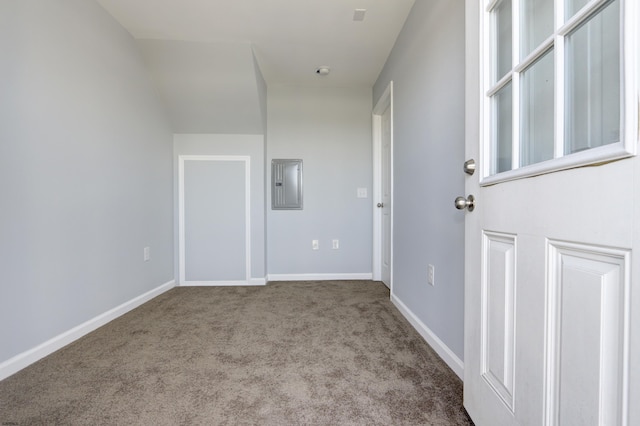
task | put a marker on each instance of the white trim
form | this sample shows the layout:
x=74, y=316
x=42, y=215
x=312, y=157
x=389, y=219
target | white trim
x=386, y=100
x=630, y=113
x=247, y=213
x=23, y=360
x=237, y=283
x=319, y=277
x=447, y=355
x=258, y=281
x=592, y=156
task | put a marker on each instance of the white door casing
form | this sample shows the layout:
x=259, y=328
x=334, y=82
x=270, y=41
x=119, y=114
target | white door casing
x=550, y=265
x=383, y=188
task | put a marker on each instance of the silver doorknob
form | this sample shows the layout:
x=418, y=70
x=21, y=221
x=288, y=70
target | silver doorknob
x=468, y=203
x=380, y=205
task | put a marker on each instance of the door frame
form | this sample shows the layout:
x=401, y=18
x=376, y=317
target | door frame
x=386, y=100
x=246, y=160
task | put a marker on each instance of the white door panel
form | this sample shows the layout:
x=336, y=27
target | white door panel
x=551, y=255
x=498, y=314
x=555, y=284
x=587, y=334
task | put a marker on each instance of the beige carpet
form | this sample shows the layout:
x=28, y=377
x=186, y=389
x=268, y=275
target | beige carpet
x=290, y=353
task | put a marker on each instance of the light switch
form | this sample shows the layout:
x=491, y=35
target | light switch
x=362, y=192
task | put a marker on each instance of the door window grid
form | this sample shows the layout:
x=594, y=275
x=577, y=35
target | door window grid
x=557, y=150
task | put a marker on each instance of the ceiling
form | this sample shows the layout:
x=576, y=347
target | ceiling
x=290, y=38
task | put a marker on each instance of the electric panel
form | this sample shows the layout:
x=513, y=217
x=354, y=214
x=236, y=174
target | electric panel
x=286, y=184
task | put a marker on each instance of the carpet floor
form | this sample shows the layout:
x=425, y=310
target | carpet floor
x=289, y=353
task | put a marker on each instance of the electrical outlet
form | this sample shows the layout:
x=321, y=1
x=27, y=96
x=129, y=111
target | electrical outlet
x=147, y=254
x=315, y=245
x=431, y=273
x=335, y=244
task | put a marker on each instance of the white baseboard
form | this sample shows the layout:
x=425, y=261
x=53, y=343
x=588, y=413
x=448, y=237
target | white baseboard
x=319, y=277
x=251, y=282
x=258, y=281
x=438, y=345
x=20, y=361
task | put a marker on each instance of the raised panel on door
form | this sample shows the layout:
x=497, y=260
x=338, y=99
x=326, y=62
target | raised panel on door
x=498, y=314
x=587, y=335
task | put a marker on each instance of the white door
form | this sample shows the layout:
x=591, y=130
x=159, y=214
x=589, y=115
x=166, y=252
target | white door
x=385, y=204
x=551, y=248
x=383, y=187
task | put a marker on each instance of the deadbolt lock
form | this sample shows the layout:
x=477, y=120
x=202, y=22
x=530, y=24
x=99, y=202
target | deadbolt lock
x=470, y=166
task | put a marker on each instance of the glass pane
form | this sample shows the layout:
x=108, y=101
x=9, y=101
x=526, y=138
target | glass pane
x=502, y=37
x=593, y=82
x=537, y=116
x=572, y=6
x=502, y=132
x=537, y=24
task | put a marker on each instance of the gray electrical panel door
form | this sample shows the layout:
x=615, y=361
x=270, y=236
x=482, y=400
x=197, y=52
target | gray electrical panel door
x=286, y=184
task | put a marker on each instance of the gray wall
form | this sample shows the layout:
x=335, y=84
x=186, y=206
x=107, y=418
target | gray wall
x=207, y=87
x=85, y=171
x=330, y=130
x=427, y=69
x=251, y=145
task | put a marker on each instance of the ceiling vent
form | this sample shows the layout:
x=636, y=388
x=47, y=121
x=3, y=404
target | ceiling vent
x=358, y=14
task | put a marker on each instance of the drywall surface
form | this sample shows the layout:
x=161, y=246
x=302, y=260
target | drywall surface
x=207, y=87
x=330, y=130
x=85, y=171
x=228, y=145
x=261, y=86
x=427, y=69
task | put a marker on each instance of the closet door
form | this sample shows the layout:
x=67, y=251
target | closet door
x=214, y=220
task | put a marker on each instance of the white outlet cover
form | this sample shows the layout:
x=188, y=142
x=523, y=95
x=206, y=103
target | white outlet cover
x=362, y=192
x=315, y=245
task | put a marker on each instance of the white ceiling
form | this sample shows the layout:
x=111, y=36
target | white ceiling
x=291, y=38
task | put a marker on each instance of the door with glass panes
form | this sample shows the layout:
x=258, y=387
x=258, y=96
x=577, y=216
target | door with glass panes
x=552, y=245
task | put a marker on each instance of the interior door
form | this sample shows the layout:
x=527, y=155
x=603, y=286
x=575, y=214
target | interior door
x=383, y=187
x=385, y=204
x=552, y=243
